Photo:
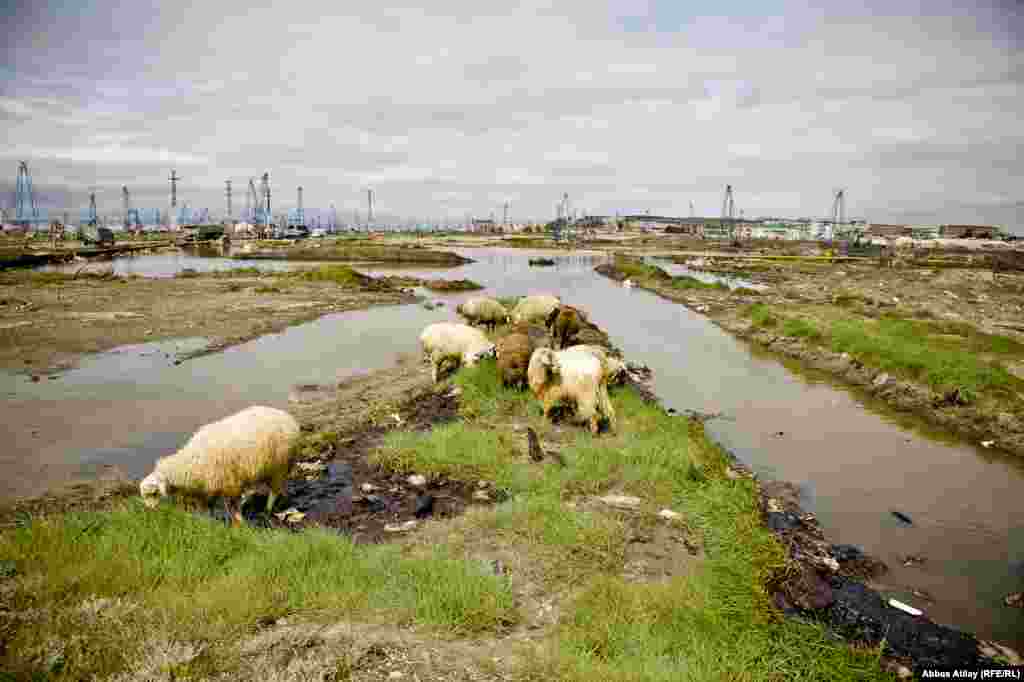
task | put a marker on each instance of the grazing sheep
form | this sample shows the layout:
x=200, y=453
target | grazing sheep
x=459, y=343
x=615, y=371
x=564, y=323
x=574, y=376
x=513, y=352
x=485, y=311
x=534, y=308
x=228, y=457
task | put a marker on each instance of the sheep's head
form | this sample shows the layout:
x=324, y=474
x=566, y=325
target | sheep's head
x=152, y=488
x=552, y=316
x=543, y=364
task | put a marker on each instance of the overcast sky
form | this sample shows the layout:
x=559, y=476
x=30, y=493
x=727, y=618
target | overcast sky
x=914, y=107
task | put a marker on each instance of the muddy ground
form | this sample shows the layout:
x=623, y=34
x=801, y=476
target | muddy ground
x=991, y=302
x=47, y=324
x=343, y=423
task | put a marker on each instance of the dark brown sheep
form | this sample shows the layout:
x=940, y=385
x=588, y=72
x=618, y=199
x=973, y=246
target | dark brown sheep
x=564, y=323
x=513, y=353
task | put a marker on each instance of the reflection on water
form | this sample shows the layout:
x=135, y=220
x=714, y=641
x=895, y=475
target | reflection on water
x=854, y=466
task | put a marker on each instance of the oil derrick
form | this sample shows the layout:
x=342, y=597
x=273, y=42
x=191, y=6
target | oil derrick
x=265, y=197
x=93, y=218
x=25, y=208
x=838, y=208
x=174, y=198
x=728, y=212
x=728, y=206
x=227, y=193
x=252, y=202
x=130, y=216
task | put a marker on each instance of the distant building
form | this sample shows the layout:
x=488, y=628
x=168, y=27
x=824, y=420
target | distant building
x=485, y=226
x=885, y=230
x=969, y=231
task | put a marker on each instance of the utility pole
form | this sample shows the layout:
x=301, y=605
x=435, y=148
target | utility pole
x=300, y=215
x=504, y=220
x=691, y=208
x=369, y=209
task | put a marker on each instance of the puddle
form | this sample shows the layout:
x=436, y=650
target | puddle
x=855, y=461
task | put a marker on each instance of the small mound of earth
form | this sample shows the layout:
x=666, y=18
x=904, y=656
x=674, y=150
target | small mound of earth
x=360, y=500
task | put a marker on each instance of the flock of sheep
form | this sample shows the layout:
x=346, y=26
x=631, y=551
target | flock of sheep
x=576, y=376
x=252, y=448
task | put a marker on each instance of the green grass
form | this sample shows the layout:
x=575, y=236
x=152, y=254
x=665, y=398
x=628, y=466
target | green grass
x=342, y=275
x=188, y=573
x=760, y=315
x=687, y=282
x=714, y=622
x=637, y=270
x=940, y=354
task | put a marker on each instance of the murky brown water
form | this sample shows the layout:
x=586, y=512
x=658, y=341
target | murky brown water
x=855, y=464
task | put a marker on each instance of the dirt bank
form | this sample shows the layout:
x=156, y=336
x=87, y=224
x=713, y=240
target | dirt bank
x=346, y=250
x=48, y=320
x=885, y=330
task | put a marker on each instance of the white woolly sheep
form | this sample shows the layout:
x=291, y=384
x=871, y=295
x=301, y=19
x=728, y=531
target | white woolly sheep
x=574, y=376
x=227, y=458
x=485, y=311
x=456, y=342
x=614, y=369
x=534, y=308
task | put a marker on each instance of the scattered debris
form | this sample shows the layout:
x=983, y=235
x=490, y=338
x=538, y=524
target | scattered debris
x=903, y=517
x=482, y=495
x=291, y=515
x=987, y=443
x=417, y=480
x=401, y=527
x=367, y=487
x=670, y=515
x=1016, y=600
x=424, y=506
x=880, y=380
x=912, y=560
x=906, y=608
x=621, y=501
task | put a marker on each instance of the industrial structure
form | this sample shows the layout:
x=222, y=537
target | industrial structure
x=26, y=213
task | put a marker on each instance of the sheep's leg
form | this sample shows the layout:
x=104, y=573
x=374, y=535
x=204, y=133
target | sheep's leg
x=234, y=512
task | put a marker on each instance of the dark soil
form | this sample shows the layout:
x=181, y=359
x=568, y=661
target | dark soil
x=824, y=582
x=335, y=499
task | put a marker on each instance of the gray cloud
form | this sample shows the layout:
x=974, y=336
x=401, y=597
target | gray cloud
x=914, y=107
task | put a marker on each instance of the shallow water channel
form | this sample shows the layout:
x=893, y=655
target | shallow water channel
x=855, y=464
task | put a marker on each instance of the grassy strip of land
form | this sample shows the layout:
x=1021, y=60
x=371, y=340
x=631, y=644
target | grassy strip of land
x=943, y=355
x=80, y=587
x=651, y=275
x=710, y=621
x=362, y=252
